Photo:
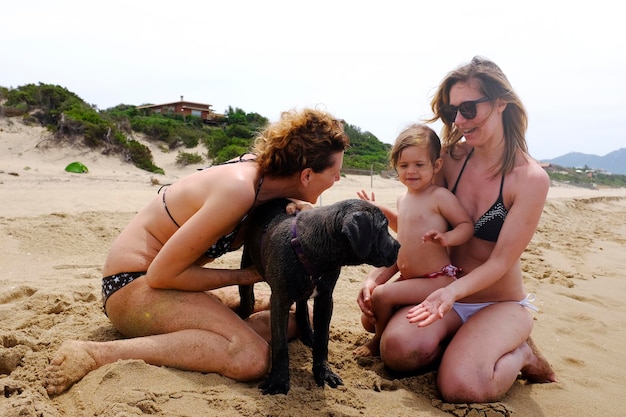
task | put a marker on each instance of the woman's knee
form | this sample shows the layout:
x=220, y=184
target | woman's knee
x=458, y=389
x=406, y=352
x=252, y=363
x=460, y=384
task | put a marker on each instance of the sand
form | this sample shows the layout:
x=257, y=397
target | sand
x=56, y=228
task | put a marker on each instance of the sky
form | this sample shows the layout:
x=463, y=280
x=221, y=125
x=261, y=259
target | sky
x=375, y=64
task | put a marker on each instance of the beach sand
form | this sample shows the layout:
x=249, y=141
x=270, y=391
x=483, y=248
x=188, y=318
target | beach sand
x=56, y=228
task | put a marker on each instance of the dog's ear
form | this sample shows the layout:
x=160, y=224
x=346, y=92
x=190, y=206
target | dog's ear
x=358, y=228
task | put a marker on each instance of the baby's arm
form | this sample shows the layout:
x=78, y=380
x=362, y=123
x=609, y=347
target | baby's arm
x=391, y=214
x=462, y=225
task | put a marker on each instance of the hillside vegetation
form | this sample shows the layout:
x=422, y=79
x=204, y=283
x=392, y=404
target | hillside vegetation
x=585, y=177
x=69, y=118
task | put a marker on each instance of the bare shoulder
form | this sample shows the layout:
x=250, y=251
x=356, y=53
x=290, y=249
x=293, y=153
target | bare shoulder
x=457, y=152
x=231, y=182
x=530, y=180
x=453, y=158
x=441, y=194
x=228, y=191
x=534, y=173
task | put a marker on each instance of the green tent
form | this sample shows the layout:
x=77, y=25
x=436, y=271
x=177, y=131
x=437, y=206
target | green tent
x=76, y=167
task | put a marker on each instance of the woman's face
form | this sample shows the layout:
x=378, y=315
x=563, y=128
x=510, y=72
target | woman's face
x=479, y=129
x=322, y=181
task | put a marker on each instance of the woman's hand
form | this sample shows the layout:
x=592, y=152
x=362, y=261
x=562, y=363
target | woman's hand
x=296, y=206
x=438, y=303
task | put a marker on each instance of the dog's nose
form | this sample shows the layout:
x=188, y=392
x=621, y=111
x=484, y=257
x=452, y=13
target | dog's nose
x=391, y=255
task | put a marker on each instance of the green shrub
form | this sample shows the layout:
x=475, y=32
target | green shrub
x=215, y=140
x=156, y=126
x=141, y=156
x=186, y=158
x=229, y=152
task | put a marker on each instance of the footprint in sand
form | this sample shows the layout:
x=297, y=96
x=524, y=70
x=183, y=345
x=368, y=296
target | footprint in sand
x=16, y=293
x=11, y=358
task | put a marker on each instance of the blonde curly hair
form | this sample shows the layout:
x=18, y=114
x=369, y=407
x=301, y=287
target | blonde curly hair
x=299, y=140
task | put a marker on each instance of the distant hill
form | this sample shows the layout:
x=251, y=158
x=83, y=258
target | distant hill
x=614, y=162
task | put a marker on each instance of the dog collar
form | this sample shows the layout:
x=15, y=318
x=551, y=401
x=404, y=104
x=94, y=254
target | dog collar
x=304, y=260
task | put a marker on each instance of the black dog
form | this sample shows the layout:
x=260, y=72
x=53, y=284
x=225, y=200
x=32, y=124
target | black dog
x=300, y=256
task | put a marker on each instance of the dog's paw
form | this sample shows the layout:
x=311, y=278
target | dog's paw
x=275, y=385
x=323, y=375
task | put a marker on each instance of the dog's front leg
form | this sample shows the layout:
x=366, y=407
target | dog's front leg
x=322, y=313
x=277, y=382
x=246, y=303
x=304, y=323
x=246, y=292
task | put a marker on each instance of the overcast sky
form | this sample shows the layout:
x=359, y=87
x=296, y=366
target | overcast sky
x=375, y=64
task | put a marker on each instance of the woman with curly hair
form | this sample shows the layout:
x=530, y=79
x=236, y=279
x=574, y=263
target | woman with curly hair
x=158, y=290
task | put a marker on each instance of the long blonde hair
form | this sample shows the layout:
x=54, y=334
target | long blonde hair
x=494, y=85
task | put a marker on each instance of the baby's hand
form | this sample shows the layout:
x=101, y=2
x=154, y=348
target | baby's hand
x=435, y=237
x=363, y=196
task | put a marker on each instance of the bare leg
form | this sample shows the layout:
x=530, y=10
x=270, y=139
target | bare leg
x=76, y=358
x=204, y=352
x=383, y=309
x=405, y=347
x=367, y=323
x=485, y=356
x=387, y=297
x=260, y=322
x=179, y=329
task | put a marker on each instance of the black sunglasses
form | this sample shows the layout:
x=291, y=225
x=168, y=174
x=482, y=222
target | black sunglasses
x=467, y=109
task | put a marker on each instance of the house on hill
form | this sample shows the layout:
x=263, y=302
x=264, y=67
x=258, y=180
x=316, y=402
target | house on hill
x=546, y=165
x=186, y=108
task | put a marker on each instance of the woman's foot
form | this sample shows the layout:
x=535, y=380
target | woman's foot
x=538, y=370
x=69, y=365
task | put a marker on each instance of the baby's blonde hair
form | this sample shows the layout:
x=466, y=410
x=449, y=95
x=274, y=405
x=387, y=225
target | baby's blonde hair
x=416, y=135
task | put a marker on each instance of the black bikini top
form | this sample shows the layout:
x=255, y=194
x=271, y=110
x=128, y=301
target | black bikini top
x=224, y=243
x=488, y=226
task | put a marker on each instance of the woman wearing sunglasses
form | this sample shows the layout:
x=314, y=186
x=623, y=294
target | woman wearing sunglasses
x=479, y=325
